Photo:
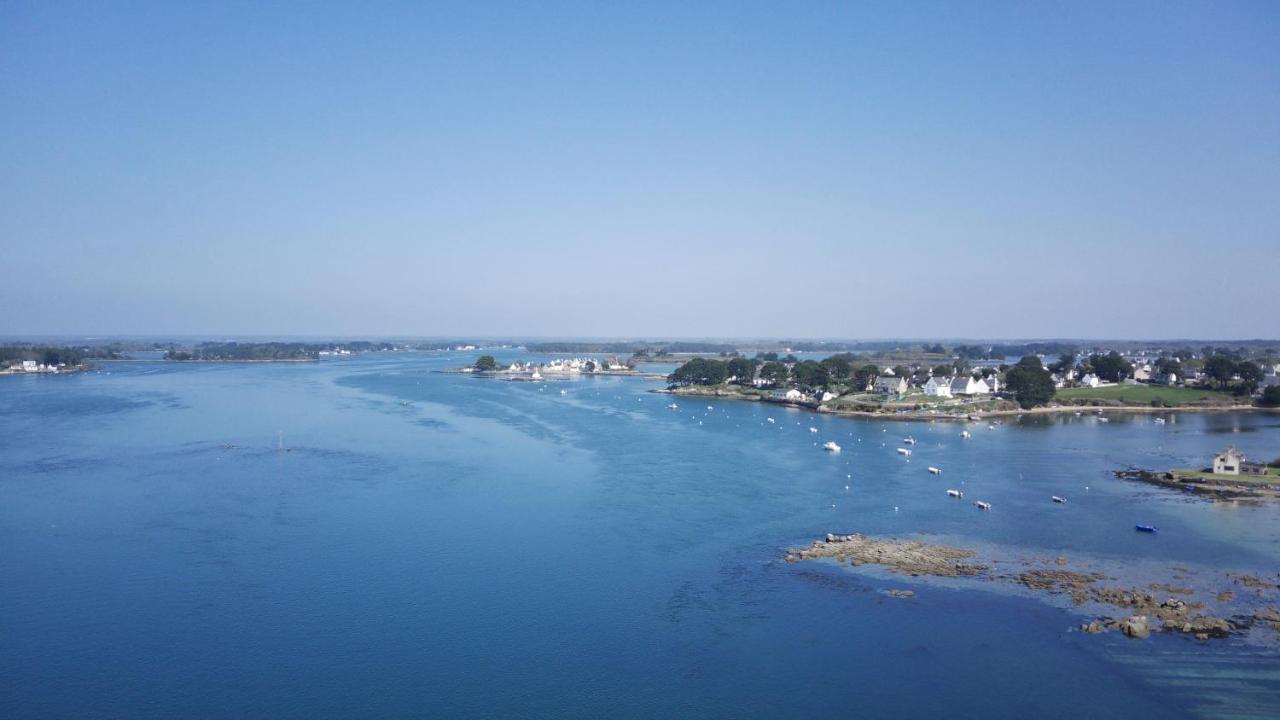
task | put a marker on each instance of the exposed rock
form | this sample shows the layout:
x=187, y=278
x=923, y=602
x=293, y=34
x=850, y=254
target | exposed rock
x=1270, y=614
x=1135, y=627
x=1225, y=596
x=1254, y=582
x=1093, y=627
x=902, y=593
x=901, y=556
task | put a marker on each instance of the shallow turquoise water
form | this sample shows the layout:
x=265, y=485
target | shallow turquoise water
x=444, y=545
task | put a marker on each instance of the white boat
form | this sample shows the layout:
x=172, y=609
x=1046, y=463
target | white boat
x=934, y=471
x=710, y=408
x=830, y=446
x=1158, y=421
x=909, y=440
x=1058, y=499
x=982, y=505
x=536, y=375
x=563, y=392
x=813, y=429
x=1102, y=419
x=674, y=406
x=955, y=494
x=771, y=420
x=966, y=434
x=904, y=451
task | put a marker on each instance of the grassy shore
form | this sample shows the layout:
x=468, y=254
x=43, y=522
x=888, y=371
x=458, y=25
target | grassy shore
x=1146, y=395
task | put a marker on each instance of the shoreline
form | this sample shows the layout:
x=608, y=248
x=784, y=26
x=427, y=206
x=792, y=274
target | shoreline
x=977, y=415
x=1225, y=610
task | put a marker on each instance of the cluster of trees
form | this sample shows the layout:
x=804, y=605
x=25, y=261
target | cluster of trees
x=46, y=354
x=700, y=371
x=486, y=363
x=1030, y=383
x=236, y=351
x=1111, y=367
x=1240, y=376
x=807, y=374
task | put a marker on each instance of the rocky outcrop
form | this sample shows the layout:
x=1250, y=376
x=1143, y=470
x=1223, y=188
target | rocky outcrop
x=901, y=556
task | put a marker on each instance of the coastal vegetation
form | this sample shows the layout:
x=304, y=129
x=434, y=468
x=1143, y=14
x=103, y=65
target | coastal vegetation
x=1155, y=395
x=486, y=363
x=1029, y=382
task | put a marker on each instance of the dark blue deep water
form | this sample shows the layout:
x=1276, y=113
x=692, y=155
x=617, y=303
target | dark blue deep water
x=433, y=545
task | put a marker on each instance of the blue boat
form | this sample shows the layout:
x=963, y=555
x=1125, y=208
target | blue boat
x=1145, y=528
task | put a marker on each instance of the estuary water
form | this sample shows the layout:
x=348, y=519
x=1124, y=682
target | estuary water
x=369, y=537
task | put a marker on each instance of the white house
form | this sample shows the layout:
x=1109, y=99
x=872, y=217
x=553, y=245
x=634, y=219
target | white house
x=1142, y=373
x=792, y=395
x=30, y=366
x=1232, y=462
x=938, y=387
x=890, y=385
x=1090, y=380
x=966, y=385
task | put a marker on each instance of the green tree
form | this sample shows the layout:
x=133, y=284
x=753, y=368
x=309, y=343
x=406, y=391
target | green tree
x=865, y=376
x=774, y=372
x=1270, y=396
x=486, y=363
x=1029, y=382
x=1220, y=369
x=837, y=367
x=1111, y=367
x=1250, y=375
x=1065, y=362
x=810, y=375
x=1168, y=366
x=699, y=371
x=742, y=369
x=943, y=371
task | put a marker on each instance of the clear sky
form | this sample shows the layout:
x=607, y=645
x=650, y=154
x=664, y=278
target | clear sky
x=846, y=170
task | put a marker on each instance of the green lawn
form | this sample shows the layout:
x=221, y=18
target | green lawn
x=1144, y=394
x=1270, y=478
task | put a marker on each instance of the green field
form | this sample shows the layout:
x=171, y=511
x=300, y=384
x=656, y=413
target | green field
x=1145, y=394
x=1273, y=474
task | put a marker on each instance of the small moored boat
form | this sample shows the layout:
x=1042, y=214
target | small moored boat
x=982, y=505
x=904, y=451
x=935, y=471
x=1059, y=499
x=966, y=434
x=1145, y=528
x=955, y=494
x=813, y=429
x=830, y=446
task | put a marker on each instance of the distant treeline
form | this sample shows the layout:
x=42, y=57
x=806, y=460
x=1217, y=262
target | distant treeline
x=250, y=351
x=56, y=354
x=632, y=348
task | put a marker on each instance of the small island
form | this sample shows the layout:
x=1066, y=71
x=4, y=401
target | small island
x=558, y=368
x=1230, y=476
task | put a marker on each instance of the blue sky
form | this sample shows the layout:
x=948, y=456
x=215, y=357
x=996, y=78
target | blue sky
x=685, y=169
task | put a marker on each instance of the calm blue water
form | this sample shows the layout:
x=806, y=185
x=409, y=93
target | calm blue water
x=448, y=546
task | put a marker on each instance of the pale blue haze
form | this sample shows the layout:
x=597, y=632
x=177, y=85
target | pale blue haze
x=438, y=545
x=1084, y=169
